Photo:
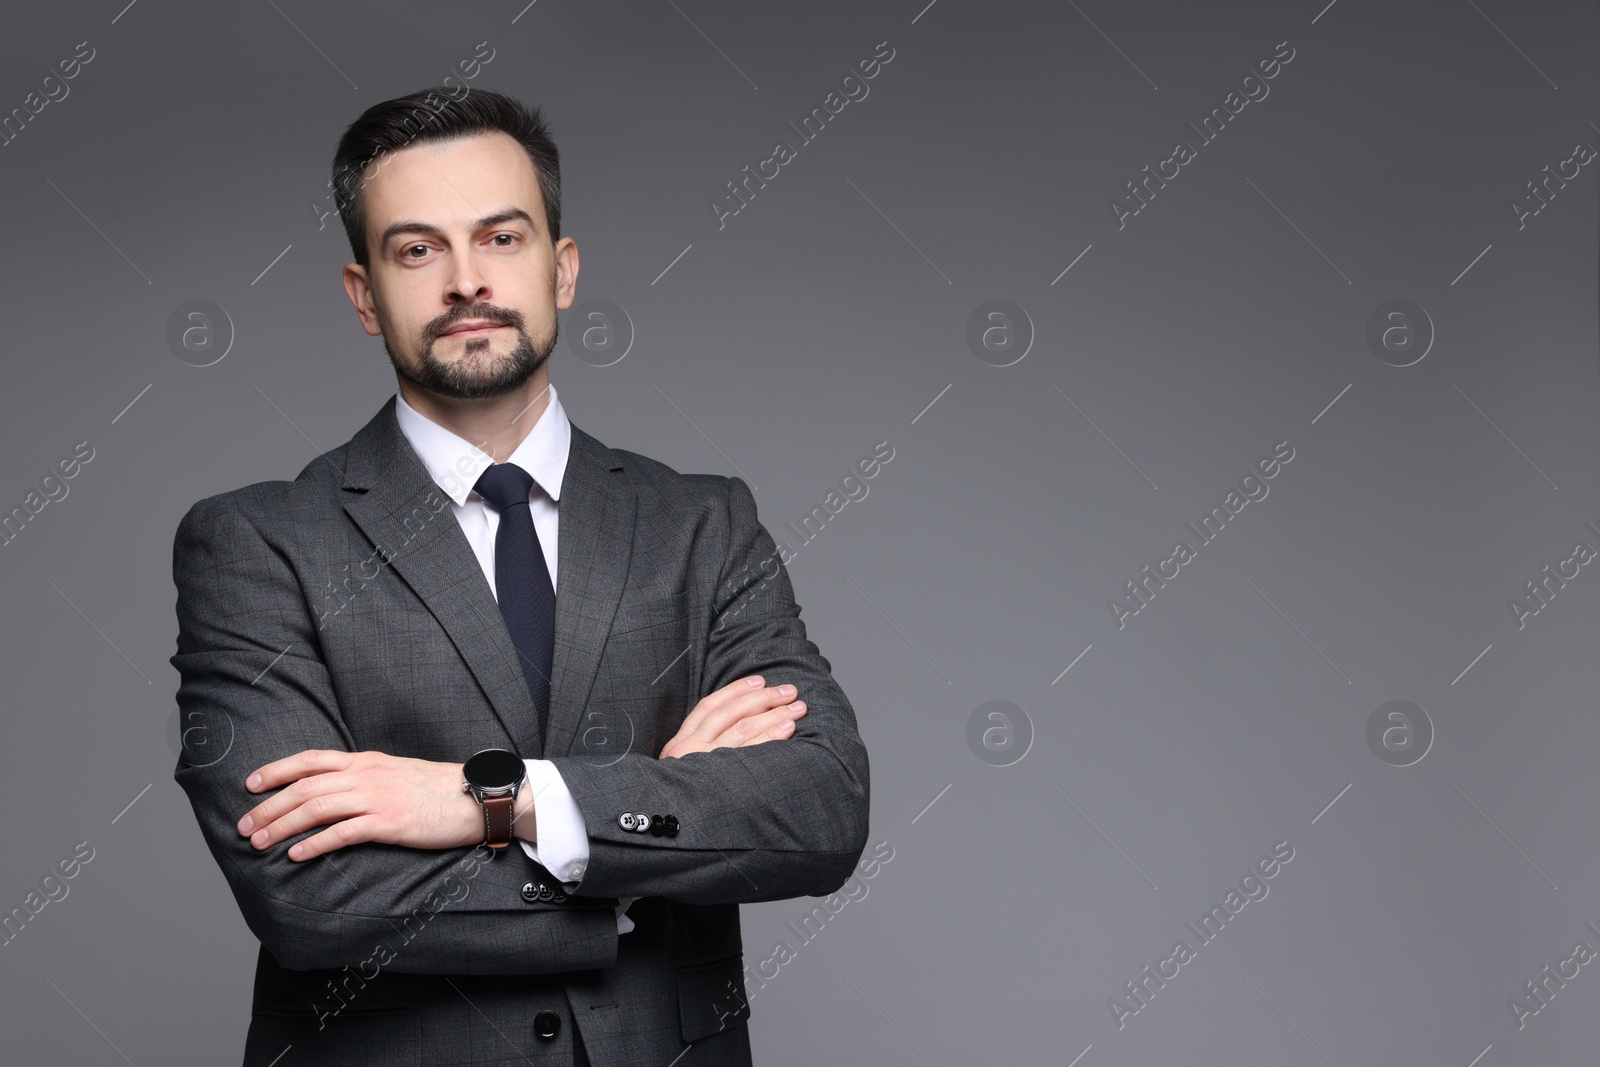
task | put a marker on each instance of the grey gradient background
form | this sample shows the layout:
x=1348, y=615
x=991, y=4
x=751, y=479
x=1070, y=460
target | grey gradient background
x=828, y=315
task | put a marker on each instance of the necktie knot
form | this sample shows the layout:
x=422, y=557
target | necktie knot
x=504, y=485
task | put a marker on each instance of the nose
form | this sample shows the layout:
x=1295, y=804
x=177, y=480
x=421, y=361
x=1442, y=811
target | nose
x=468, y=283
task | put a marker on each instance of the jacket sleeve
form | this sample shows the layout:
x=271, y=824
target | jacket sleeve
x=253, y=688
x=781, y=819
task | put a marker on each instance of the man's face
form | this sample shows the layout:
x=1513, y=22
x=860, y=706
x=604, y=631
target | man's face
x=464, y=282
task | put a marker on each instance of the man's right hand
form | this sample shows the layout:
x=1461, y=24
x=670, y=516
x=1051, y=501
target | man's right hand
x=744, y=712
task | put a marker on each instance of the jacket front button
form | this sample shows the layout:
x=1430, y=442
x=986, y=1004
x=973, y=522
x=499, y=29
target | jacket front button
x=547, y=1024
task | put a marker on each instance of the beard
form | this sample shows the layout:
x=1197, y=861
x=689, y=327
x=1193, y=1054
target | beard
x=475, y=375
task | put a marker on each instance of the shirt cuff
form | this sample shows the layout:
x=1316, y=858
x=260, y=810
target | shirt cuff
x=563, y=846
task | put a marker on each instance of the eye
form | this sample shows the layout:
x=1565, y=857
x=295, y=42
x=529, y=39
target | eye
x=406, y=253
x=510, y=237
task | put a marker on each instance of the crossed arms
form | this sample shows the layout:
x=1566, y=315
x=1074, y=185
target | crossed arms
x=385, y=839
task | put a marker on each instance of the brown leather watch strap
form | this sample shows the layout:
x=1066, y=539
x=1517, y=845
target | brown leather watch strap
x=497, y=814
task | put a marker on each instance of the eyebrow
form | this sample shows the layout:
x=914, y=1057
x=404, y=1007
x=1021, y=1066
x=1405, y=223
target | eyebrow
x=498, y=218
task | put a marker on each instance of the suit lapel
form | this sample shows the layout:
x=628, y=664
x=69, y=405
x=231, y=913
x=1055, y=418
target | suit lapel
x=406, y=515
x=431, y=555
x=594, y=544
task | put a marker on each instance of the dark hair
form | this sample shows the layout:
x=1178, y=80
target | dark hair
x=438, y=114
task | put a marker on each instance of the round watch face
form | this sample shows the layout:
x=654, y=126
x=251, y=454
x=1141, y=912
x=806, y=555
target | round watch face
x=494, y=768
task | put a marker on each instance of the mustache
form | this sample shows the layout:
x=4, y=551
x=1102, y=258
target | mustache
x=488, y=313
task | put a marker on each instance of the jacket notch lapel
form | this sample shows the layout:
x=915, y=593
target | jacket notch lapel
x=593, y=549
x=431, y=555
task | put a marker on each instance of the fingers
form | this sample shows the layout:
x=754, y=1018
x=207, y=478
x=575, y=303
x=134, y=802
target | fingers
x=395, y=800
x=781, y=732
x=716, y=712
x=309, y=802
x=753, y=702
x=772, y=725
x=349, y=832
x=291, y=768
x=781, y=725
x=713, y=701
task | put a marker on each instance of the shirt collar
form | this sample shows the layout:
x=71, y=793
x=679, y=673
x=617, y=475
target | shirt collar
x=455, y=463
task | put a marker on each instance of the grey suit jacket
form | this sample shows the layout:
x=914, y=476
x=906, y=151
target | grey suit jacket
x=345, y=610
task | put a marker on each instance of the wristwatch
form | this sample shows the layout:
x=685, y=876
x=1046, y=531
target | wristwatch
x=494, y=777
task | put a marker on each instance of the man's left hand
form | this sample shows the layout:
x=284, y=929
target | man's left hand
x=366, y=796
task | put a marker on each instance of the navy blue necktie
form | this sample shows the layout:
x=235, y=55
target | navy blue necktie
x=522, y=581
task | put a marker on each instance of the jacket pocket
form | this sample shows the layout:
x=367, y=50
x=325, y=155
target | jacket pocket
x=644, y=613
x=711, y=998
x=351, y=1040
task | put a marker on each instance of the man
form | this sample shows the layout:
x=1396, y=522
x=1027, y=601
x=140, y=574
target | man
x=473, y=820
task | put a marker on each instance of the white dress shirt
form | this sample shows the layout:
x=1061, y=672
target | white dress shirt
x=455, y=464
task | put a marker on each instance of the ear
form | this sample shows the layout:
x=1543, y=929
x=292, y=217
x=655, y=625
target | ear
x=359, y=289
x=566, y=272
